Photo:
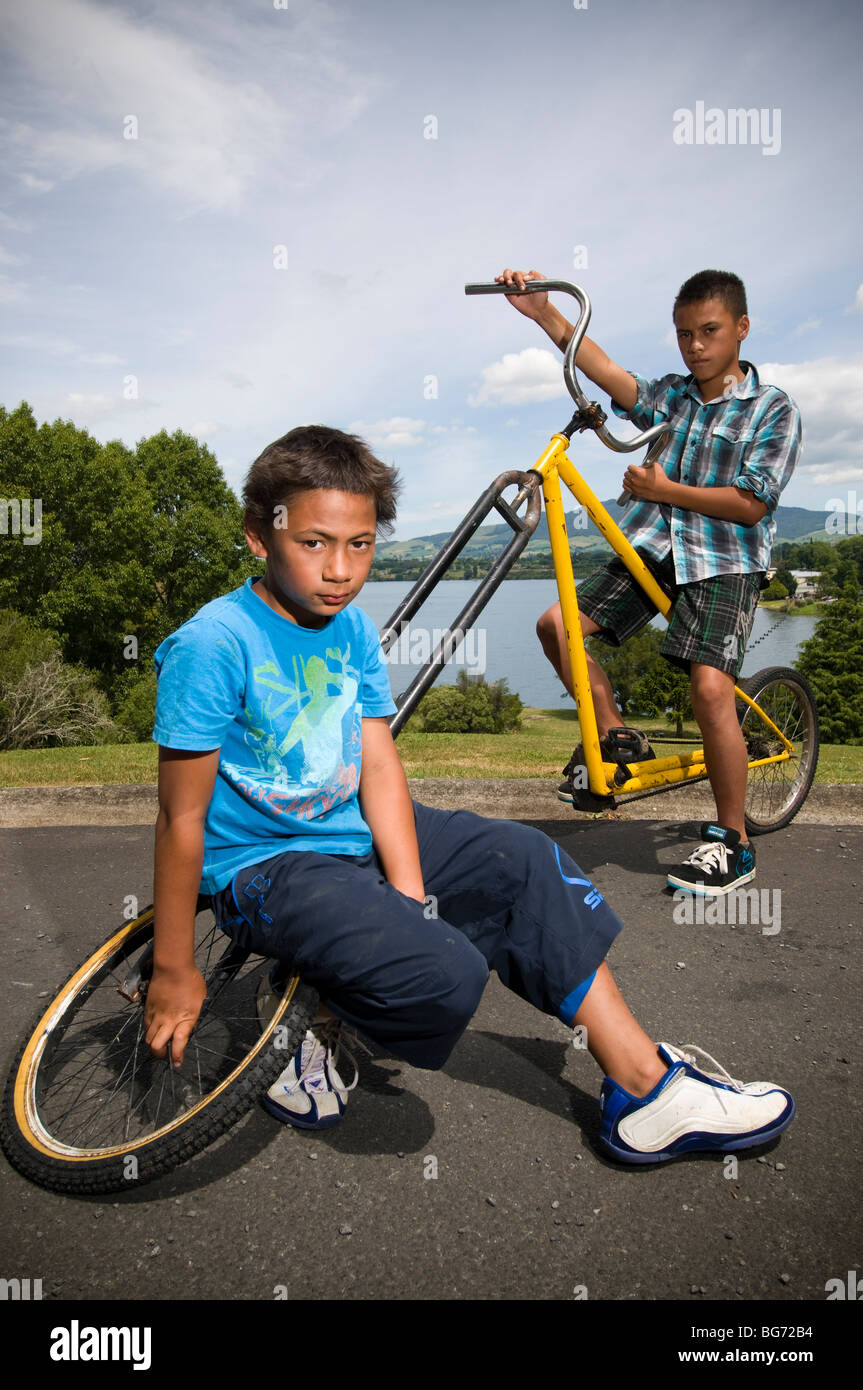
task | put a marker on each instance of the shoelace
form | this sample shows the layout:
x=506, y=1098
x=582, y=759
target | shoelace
x=328, y=1047
x=689, y=1050
x=712, y=856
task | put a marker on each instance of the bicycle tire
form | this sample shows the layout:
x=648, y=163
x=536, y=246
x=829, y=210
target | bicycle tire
x=77, y=1058
x=775, y=793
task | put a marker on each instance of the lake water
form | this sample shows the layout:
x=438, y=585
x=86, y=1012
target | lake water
x=503, y=641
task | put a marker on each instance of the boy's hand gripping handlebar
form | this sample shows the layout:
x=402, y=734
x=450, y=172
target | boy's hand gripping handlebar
x=651, y=456
x=620, y=446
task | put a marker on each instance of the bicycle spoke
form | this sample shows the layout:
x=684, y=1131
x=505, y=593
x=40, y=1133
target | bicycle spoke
x=96, y=1086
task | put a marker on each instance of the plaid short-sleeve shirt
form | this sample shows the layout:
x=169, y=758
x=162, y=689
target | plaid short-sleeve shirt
x=749, y=439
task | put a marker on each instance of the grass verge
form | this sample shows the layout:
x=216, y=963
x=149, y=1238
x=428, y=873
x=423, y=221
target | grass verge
x=539, y=749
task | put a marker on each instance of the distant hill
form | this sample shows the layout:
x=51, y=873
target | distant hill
x=792, y=524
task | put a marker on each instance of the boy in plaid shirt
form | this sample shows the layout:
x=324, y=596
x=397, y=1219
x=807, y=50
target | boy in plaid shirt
x=701, y=516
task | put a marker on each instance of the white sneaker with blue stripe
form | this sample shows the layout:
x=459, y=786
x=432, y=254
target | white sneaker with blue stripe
x=310, y=1093
x=690, y=1110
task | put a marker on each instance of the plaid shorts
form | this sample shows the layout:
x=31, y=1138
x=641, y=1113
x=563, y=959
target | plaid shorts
x=710, y=620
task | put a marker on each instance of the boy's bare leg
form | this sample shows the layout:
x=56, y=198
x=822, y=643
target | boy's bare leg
x=615, y=1040
x=549, y=630
x=724, y=746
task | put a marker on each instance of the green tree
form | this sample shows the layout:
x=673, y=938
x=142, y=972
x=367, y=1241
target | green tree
x=21, y=643
x=132, y=544
x=626, y=666
x=774, y=590
x=786, y=578
x=134, y=696
x=832, y=662
x=664, y=690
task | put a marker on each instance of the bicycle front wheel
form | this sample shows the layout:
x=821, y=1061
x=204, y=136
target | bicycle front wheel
x=775, y=792
x=88, y=1109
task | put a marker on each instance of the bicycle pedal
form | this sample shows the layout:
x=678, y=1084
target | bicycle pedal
x=626, y=745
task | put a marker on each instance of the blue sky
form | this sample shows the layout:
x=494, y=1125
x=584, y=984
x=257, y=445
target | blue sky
x=305, y=127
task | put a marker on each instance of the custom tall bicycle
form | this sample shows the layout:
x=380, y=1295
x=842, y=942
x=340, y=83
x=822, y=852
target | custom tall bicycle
x=87, y=1109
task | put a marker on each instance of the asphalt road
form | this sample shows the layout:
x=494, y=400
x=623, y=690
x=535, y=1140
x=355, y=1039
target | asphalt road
x=522, y=1207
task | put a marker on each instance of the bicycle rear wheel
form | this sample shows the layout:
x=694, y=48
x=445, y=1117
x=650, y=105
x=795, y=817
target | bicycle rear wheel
x=88, y=1109
x=775, y=793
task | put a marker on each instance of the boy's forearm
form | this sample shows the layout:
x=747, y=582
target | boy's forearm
x=591, y=359
x=178, y=861
x=724, y=503
x=388, y=812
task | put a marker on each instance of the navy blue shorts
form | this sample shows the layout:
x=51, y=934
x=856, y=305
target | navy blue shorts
x=500, y=896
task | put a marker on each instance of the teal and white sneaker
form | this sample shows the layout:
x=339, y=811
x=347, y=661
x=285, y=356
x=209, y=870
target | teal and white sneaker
x=310, y=1093
x=716, y=867
x=690, y=1110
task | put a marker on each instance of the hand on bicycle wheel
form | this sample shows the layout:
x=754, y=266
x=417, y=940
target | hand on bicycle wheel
x=530, y=304
x=174, y=1002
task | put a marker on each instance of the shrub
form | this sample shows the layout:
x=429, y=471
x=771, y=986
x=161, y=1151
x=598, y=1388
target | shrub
x=775, y=590
x=53, y=703
x=472, y=706
x=135, y=704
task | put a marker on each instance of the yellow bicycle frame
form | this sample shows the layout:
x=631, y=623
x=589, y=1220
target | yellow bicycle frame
x=552, y=466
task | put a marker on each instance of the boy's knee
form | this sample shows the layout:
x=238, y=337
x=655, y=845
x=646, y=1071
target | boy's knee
x=446, y=1012
x=460, y=991
x=548, y=624
x=712, y=692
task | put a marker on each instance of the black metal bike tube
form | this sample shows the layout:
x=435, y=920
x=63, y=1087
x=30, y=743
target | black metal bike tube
x=453, y=547
x=454, y=635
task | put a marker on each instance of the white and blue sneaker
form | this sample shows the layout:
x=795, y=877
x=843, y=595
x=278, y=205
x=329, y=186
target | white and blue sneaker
x=690, y=1111
x=310, y=1093
x=718, y=866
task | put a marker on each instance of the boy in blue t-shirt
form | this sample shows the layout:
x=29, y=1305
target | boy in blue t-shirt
x=282, y=797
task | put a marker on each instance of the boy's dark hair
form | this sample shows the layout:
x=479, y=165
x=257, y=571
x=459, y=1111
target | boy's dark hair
x=315, y=456
x=713, y=284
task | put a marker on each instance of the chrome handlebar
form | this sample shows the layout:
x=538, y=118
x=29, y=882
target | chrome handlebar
x=620, y=446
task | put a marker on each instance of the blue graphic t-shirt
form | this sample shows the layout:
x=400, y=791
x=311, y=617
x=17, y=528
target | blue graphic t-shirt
x=284, y=704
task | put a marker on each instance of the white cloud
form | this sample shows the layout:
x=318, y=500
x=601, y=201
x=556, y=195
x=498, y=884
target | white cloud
x=53, y=345
x=823, y=473
x=829, y=392
x=398, y=432
x=91, y=405
x=534, y=374
x=31, y=182
x=13, y=291
x=13, y=224
x=806, y=327
x=205, y=429
x=857, y=306
x=442, y=510
x=456, y=427
x=203, y=134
